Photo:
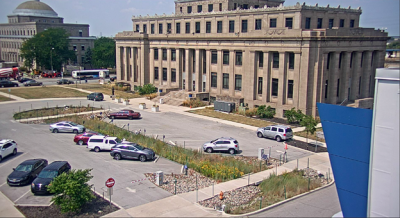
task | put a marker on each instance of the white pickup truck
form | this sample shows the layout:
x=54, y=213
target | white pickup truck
x=100, y=143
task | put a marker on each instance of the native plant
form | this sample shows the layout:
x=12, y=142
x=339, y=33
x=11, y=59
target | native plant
x=310, y=124
x=265, y=112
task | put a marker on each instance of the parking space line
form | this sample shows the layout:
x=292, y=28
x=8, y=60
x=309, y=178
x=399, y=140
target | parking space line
x=3, y=184
x=22, y=196
x=12, y=159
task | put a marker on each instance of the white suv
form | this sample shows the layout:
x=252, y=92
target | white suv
x=7, y=147
x=101, y=142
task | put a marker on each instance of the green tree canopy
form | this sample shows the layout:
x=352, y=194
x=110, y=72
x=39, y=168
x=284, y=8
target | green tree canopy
x=394, y=45
x=48, y=48
x=104, y=53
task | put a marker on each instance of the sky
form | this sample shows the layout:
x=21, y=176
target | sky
x=108, y=17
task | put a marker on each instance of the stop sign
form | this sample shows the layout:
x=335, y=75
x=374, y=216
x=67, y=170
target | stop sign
x=110, y=182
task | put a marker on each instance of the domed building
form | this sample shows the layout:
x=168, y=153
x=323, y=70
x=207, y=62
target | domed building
x=33, y=17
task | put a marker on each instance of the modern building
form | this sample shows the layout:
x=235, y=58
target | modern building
x=33, y=17
x=256, y=52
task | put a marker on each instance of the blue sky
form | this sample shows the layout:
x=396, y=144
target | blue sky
x=108, y=17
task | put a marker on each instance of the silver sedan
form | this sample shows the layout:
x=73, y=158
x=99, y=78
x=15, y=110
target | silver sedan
x=32, y=83
x=66, y=127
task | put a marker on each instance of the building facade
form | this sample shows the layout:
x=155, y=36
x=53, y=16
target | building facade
x=33, y=17
x=254, y=52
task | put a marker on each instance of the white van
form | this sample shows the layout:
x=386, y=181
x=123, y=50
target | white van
x=100, y=142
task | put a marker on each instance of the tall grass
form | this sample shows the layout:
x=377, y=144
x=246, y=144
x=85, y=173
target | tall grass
x=53, y=111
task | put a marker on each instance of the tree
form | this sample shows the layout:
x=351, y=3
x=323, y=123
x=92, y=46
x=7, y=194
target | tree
x=310, y=124
x=265, y=112
x=71, y=190
x=87, y=60
x=146, y=89
x=394, y=45
x=48, y=48
x=104, y=53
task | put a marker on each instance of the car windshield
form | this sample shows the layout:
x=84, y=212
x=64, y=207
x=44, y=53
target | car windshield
x=288, y=130
x=214, y=140
x=24, y=168
x=73, y=124
x=118, y=140
x=46, y=174
x=139, y=147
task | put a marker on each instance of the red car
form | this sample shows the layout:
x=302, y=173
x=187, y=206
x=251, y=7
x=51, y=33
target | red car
x=130, y=114
x=82, y=139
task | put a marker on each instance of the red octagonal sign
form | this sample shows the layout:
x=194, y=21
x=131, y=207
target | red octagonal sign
x=110, y=182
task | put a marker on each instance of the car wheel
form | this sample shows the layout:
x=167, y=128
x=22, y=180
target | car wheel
x=209, y=150
x=2, y=86
x=15, y=85
x=260, y=135
x=278, y=139
x=130, y=118
x=75, y=131
x=80, y=142
x=96, y=149
x=55, y=130
x=142, y=158
x=29, y=85
x=113, y=117
x=231, y=151
x=15, y=152
x=117, y=157
x=1, y=158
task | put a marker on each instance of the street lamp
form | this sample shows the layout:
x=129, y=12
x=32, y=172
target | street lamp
x=51, y=58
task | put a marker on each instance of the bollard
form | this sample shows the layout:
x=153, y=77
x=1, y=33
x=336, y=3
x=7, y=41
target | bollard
x=269, y=152
x=297, y=163
x=175, y=186
x=103, y=194
x=308, y=163
x=197, y=195
x=276, y=167
x=329, y=173
x=184, y=144
x=280, y=159
x=260, y=202
x=308, y=184
x=31, y=106
x=284, y=190
x=212, y=189
x=248, y=182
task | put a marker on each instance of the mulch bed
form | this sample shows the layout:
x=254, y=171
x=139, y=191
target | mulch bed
x=306, y=146
x=97, y=208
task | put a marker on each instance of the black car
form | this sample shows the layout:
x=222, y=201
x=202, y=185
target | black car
x=47, y=175
x=95, y=96
x=112, y=78
x=64, y=81
x=132, y=151
x=6, y=83
x=26, y=172
x=22, y=80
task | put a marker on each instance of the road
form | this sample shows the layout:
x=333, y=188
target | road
x=53, y=81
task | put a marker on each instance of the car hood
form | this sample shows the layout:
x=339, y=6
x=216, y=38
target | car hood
x=147, y=151
x=17, y=175
x=43, y=181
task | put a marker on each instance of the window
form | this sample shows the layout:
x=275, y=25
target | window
x=260, y=85
x=225, y=81
x=226, y=57
x=231, y=26
x=260, y=59
x=275, y=60
x=199, y=8
x=74, y=47
x=275, y=87
x=234, y=6
x=351, y=23
x=289, y=22
x=245, y=6
x=210, y=7
x=164, y=74
x=308, y=23
x=178, y=28
x=160, y=30
x=338, y=88
x=219, y=26
x=319, y=24
x=208, y=27
x=180, y=9
x=214, y=57
x=214, y=80
x=220, y=6
x=359, y=85
x=169, y=28
x=341, y=23
x=187, y=27
x=328, y=62
x=80, y=34
x=274, y=129
x=238, y=82
x=173, y=55
x=137, y=28
x=144, y=28
x=256, y=6
x=326, y=89
x=152, y=28
x=189, y=9
x=244, y=26
x=290, y=89
x=239, y=58
x=258, y=24
x=340, y=59
x=173, y=75
x=272, y=23
x=330, y=23
x=351, y=59
x=83, y=47
x=291, y=60
x=156, y=73
x=362, y=59
x=164, y=54
x=197, y=27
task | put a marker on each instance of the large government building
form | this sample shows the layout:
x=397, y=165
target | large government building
x=256, y=52
x=33, y=17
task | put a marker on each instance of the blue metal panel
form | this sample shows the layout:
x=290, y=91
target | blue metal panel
x=354, y=205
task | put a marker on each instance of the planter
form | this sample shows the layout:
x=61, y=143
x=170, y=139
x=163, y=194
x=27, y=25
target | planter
x=126, y=102
x=155, y=109
x=118, y=100
x=142, y=106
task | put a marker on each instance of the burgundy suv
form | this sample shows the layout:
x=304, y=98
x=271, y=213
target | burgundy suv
x=130, y=114
x=82, y=139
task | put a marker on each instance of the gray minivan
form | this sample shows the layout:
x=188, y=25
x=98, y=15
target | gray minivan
x=277, y=132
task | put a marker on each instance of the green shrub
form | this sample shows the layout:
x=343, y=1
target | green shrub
x=251, y=112
x=265, y=112
x=146, y=89
x=294, y=116
x=194, y=103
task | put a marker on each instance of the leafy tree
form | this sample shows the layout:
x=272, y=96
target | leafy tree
x=310, y=124
x=71, y=190
x=87, y=60
x=265, y=112
x=104, y=53
x=299, y=116
x=146, y=89
x=48, y=48
x=394, y=45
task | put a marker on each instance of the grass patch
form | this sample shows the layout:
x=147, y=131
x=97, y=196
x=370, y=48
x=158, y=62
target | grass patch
x=4, y=98
x=209, y=112
x=311, y=137
x=45, y=92
x=106, y=90
x=45, y=112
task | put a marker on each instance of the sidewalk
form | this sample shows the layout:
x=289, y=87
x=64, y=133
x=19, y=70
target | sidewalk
x=7, y=208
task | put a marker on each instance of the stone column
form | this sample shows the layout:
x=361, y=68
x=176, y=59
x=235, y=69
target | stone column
x=296, y=81
x=219, y=71
x=169, y=70
x=249, y=81
x=281, y=82
x=232, y=72
x=127, y=64
x=324, y=77
x=151, y=65
x=345, y=78
x=199, y=73
x=355, y=76
x=333, y=77
x=266, y=89
x=366, y=75
x=178, y=68
x=208, y=72
x=118, y=60
x=188, y=79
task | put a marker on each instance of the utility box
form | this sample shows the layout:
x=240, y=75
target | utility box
x=224, y=106
x=260, y=153
x=159, y=178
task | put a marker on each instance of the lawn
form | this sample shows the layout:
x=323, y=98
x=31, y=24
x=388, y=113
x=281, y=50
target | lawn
x=310, y=137
x=4, y=98
x=106, y=90
x=45, y=112
x=45, y=92
x=209, y=112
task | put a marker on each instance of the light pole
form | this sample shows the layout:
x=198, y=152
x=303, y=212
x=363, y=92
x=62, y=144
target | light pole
x=51, y=58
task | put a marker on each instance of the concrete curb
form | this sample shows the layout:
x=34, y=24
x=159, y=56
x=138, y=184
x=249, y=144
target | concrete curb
x=58, y=116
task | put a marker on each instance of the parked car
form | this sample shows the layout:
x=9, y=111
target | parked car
x=22, y=80
x=277, y=132
x=32, y=83
x=47, y=175
x=6, y=83
x=132, y=151
x=95, y=96
x=122, y=84
x=222, y=144
x=83, y=138
x=64, y=81
x=66, y=126
x=26, y=172
x=7, y=147
x=130, y=114
x=113, y=78
x=100, y=142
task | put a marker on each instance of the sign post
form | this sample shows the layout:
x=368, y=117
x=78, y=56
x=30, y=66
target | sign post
x=110, y=183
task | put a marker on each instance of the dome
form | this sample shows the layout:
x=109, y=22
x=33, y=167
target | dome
x=35, y=8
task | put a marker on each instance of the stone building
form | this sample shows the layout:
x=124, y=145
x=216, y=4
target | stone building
x=256, y=52
x=33, y=17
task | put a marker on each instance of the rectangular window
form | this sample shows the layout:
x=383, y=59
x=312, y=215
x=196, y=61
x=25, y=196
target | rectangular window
x=164, y=74
x=258, y=24
x=220, y=6
x=275, y=60
x=326, y=89
x=189, y=9
x=144, y=28
x=169, y=28
x=272, y=23
x=225, y=81
x=328, y=62
x=239, y=58
x=291, y=60
x=210, y=7
x=180, y=9
x=74, y=47
x=187, y=27
x=244, y=26
x=208, y=27
x=238, y=82
x=359, y=85
x=275, y=87
x=308, y=23
x=338, y=88
x=234, y=6
x=219, y=26
x=164, y=54
x=160, y=28
x=330, y=23
x=289, y=22
x=226, y=57
x=260, y=59
x=260, y=85
x=137, y=28
x=319, y=24
x=214, y=80
x=197, y=27
x=245, y=6
x=340, y=60
x=341, y=23
x=362, y=59
x=152, y=28
x=173, y=55
x=256, y=6
x=155, y=73
x=290, y=89
x=199, y=8
x=83, y=47
x=351, y=23
x=156, y=54
x=351, y=59
x=173, y=75
x=178, y=28
x=214, y=57
x=231, y=26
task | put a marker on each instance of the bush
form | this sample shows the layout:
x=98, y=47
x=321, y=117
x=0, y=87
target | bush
x=146, y=89
x=151, y=96
x=265, y=112
x=294, y=116
x=71, y=190
x=194, y=103
x=251, y=112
